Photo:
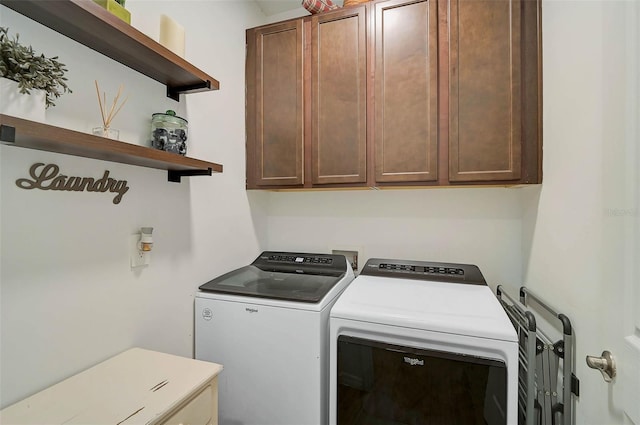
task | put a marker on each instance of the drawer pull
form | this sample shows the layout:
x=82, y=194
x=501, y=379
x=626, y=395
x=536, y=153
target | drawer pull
x=159, y=385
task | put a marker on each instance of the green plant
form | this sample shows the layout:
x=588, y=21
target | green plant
x=32, y=71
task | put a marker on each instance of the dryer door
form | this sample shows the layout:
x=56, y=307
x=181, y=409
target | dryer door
x=381, y=383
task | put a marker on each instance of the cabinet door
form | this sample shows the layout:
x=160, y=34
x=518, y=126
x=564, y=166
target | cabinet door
x=274, y=101
x=338, y=96
x=406, y=91
x=485, y=113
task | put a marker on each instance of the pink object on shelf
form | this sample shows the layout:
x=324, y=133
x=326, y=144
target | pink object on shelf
x=317, y=6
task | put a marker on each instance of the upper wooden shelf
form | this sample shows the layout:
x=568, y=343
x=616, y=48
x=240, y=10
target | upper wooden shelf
x=34, y=135
x=87, y=23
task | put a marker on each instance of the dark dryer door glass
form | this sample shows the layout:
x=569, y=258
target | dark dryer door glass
x=388, y=384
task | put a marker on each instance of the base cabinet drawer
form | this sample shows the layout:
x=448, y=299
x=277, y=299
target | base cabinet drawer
x=201, y=410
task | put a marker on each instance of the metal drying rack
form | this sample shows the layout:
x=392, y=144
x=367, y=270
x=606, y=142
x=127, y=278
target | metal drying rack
x=543, y=399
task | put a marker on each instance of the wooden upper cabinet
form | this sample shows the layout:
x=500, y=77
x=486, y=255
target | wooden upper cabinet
x=397, y=93
x=485, y=90
x=406, y=91
x=339, y=96
x=275, y=113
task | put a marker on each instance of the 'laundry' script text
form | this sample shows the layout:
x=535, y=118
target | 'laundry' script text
x=47, y=177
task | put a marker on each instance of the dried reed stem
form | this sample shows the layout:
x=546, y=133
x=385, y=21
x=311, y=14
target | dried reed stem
x=100, y=103
x=107, y=118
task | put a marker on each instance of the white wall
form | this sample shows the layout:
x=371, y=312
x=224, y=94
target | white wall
x=68, y=296
x=480, y=226
x=581, y=235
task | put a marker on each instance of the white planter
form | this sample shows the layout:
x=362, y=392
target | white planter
x=28, y=106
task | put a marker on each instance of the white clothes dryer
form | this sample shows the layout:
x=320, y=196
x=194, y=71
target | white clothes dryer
x=268, y=324
x=417, y=342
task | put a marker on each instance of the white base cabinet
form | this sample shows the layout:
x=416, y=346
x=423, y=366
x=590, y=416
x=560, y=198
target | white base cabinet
x=135, y=387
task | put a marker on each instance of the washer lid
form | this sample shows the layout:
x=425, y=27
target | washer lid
x=470, y=310
x=284, y=276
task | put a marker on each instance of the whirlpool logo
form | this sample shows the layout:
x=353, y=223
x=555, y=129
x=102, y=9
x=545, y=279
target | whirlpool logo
x=207, y=314
x=413, y=362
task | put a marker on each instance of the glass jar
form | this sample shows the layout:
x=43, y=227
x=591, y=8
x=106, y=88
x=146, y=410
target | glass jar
x=169, y=132
x=107, y=132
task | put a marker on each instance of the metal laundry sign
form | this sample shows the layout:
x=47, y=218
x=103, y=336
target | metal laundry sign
x=48, y=177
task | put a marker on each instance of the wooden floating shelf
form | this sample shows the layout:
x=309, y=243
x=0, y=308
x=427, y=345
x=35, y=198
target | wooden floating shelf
x=34, y=135
x=87, y=23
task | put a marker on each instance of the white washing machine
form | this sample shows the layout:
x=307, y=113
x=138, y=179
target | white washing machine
x=268, y=324
x=421, y=343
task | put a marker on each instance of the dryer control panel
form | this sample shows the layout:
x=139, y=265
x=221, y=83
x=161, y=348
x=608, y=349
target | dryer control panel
x=424, y=270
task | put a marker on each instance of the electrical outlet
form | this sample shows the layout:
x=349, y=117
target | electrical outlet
x=352, y=257
x=138, y=258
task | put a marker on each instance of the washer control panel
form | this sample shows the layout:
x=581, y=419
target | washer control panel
x=301, y=262
x=300, y=259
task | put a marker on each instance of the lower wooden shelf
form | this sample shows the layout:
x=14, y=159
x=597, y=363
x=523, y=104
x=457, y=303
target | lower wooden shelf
x=34, y=135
